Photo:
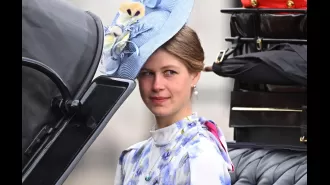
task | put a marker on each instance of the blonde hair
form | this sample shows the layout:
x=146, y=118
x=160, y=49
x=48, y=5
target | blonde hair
x=187, y=47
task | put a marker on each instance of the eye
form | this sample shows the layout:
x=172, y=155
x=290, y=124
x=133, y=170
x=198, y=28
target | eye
x=137, y=13
x=145, y=73
x=129, y=11
x=170, y=73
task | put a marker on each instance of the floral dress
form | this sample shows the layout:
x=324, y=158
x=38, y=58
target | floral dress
x=184, y=153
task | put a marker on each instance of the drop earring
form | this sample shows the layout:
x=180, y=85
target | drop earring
x=195, y=91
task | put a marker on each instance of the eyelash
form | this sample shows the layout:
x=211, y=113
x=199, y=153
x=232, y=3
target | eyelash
x=171, y=72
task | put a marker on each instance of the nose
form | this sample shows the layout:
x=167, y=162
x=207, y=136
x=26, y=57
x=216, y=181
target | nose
x=158, y=83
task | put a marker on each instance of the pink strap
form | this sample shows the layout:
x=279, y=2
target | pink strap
x=213, y=129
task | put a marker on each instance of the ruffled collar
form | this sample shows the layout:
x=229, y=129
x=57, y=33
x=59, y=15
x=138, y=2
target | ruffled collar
x=168, y=134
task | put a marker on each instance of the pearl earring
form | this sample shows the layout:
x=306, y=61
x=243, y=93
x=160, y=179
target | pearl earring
x=195, y=91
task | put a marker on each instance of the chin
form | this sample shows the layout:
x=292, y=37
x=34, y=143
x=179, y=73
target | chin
x=161, y=111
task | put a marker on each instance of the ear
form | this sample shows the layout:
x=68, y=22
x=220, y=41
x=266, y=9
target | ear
x=195, y=77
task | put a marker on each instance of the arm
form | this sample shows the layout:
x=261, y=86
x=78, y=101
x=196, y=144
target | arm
x=119, y=176
x=209, y=168
x=206, y=167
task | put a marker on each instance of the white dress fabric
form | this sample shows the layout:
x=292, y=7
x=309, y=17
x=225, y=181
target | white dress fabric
x=184, y=153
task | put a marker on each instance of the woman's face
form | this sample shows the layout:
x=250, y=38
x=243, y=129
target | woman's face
x=165, y=84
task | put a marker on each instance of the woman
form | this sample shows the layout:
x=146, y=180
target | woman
x=183, y=148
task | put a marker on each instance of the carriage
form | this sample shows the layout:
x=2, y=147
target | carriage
x=64, y=108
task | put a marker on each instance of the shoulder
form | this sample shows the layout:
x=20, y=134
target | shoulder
x=199, y=144
x=131, y=150
x=128, y=158
x=205, y=148
x=203, y=140
x=202, y=145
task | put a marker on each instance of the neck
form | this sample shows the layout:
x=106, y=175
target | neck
x=165, y=121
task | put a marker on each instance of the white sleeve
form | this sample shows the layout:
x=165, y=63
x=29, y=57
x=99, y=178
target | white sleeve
x=120, y=170
x=118, y=175
x=208, y=168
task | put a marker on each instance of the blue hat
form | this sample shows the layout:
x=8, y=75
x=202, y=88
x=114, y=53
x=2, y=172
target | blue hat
x=138, y=30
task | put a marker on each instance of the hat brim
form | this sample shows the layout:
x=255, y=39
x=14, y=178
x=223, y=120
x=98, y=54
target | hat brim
x=176, y=20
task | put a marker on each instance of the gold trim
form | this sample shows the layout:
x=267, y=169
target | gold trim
x=254, y=3
x=290, y=3
x=264, y=109
x=302, y=139
x=259, y=44
x=220, y=59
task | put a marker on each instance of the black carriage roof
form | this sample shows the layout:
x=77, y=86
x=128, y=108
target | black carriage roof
x=63, y=37
x=69, y=42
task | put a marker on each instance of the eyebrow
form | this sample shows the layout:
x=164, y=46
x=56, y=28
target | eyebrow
x=164, y=67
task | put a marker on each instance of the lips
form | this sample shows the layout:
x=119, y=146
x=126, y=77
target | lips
x=159, y=100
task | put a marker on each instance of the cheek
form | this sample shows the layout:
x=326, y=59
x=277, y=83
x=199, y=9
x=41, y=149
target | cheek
x=143, y=87
x=182, y=90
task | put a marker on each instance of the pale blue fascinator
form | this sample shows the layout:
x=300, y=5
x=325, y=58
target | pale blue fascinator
x=138, y=30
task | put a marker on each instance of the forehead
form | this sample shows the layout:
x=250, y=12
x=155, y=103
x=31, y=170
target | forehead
x=160, y=59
